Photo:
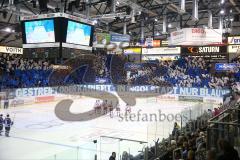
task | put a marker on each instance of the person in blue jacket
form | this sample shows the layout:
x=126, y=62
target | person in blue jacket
x=1, y=124
x=7, y=123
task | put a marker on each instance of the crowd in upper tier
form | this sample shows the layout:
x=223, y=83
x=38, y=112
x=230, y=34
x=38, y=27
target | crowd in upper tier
x=18, y=72
x=185, y=72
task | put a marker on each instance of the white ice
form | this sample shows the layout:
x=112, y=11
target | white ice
x=37, y=134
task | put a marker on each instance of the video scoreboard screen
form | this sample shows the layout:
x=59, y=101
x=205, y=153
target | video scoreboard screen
x=40, y=31
x=56, y=30
x=78, y=33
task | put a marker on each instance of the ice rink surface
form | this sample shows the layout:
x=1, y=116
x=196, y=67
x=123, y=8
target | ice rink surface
x=37, y=134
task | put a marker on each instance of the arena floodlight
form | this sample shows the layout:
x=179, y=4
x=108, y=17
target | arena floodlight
x=95, y=22
x=8, y=29
x=222, y=11
x=117, y=3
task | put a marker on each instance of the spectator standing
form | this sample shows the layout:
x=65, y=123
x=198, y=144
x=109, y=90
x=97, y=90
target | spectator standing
x=176, y=128
x=190, y=155
x=1, y=124
x=227, y=151
x=0, y=101
x=210, y=113
x=211, y=155
x=6, y=103
x=216, y=111
x=113, y=156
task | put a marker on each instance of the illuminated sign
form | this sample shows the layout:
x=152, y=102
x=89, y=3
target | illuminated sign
x=198, y=30
x=164, y=43
x=195, y=36
x=234, y=40
x=213, y=49
x=156, y=43
x=132, y=50
x=225, y=66
x=162, y=50
x=209, y=49
x=234, y=49
x=160, y=57
x=211, y=53
x=11, y=50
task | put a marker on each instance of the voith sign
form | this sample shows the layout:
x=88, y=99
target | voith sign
x=11, y=50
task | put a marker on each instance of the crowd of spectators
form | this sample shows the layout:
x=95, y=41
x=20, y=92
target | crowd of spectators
x=185, y=72
x=194, y=72
x=150, y=74
x=18, y=72
x=100, y=65
x=190, y=143
x=237, y=70
x=187, y=144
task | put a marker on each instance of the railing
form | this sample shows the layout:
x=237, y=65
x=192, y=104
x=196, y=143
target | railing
x=198, y=118
x=87, y=151
x=124, y=148
x=225, y=125
x=99, y=149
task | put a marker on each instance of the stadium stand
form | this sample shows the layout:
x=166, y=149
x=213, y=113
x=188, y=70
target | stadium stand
x=185, y=72
x=196, y=141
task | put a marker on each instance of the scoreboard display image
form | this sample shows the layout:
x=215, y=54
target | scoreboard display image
x=40, y=31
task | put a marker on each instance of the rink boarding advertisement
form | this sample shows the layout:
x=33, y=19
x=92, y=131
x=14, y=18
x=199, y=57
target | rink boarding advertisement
x=165, y=93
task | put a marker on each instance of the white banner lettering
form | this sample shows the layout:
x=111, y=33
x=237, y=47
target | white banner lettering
x=234, y=49
x=196, y=37
x=162, y=50
x=234, y=40
x=11, y=50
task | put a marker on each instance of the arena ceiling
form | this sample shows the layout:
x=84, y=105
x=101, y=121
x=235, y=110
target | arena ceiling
x=129, y=12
